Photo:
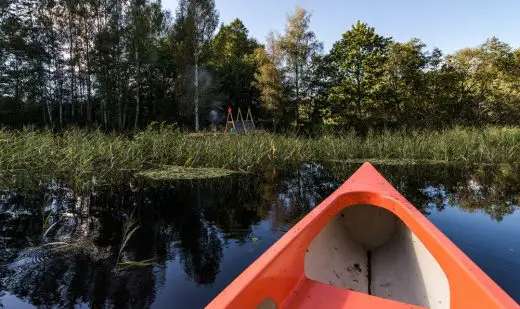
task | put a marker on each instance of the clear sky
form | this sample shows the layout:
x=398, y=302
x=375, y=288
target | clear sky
x=447, y=24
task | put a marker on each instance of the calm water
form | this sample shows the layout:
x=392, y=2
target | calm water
x=59, y=248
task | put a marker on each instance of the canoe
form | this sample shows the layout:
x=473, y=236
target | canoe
x=365, y=246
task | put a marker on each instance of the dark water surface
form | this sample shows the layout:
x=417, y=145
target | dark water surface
x=59, y=248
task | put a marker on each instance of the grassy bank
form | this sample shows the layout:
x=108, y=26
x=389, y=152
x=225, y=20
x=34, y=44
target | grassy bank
x=81, y=152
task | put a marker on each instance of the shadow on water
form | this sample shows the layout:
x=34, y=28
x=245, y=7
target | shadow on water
x=59, y=247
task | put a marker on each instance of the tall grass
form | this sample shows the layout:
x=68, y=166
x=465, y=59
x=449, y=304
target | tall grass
x=83, y=153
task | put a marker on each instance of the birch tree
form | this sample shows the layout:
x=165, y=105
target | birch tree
x=195, y=25
x=299, y=45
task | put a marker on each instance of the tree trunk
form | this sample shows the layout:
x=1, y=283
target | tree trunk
x=48, y=101
x=136, y=120
x=49, y=111
x=119, y=111
x=72, y=64
x=17, y=81
x=359, y=95
x=104, y=111
x=297, y=93
x=124, y=118
x=196, y=93
x=89, y=85
x=61, y=113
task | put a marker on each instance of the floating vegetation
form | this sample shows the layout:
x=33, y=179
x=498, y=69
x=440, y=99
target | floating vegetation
x=184, y=173
x=396, y=161
x=128, y=264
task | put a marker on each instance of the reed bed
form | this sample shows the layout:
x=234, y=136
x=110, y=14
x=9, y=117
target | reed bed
x=80, y=152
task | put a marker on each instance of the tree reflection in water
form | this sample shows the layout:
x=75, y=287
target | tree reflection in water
x=193, y=224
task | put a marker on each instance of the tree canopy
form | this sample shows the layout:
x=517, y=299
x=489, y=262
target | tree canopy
x=123, y=64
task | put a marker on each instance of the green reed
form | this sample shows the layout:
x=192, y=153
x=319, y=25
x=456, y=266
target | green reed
x=81, y=154
x=129, y=228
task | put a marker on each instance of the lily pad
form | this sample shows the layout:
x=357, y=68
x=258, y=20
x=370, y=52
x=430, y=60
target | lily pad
x=184, y=173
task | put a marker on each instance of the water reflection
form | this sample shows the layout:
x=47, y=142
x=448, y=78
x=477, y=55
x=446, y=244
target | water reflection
x=59, y=246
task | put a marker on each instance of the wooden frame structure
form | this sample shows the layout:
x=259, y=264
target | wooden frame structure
x=229, y=121
x=239, y=120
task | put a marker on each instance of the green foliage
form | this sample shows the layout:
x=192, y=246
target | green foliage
x=193, y=30
x=405, y=82
x=299, y=45
x=267, y=81
x=356, y=83
x=80, y=155
x=487, y=71
x=232, y=61
x=123, y=64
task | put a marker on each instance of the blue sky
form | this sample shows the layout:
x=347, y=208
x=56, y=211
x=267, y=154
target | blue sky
x=449, y=25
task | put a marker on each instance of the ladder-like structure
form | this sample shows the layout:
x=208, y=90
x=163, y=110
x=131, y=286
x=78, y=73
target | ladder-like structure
x=230, y=124
x=240, y=125
x=250, y=124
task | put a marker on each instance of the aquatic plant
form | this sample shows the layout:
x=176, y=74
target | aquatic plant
x=79, y=154
x=180, y=173
x=129, y=228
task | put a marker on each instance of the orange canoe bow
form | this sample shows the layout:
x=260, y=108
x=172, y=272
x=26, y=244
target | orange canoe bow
x=365, y=246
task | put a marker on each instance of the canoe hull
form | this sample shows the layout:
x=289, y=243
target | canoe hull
x=301, y=262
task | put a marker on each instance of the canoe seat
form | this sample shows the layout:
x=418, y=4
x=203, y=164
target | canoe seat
x=314, y=295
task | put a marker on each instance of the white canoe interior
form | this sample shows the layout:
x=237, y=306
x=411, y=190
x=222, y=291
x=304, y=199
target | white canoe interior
x=370, y=250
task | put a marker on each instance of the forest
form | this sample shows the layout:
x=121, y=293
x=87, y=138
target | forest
x=121, y=65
